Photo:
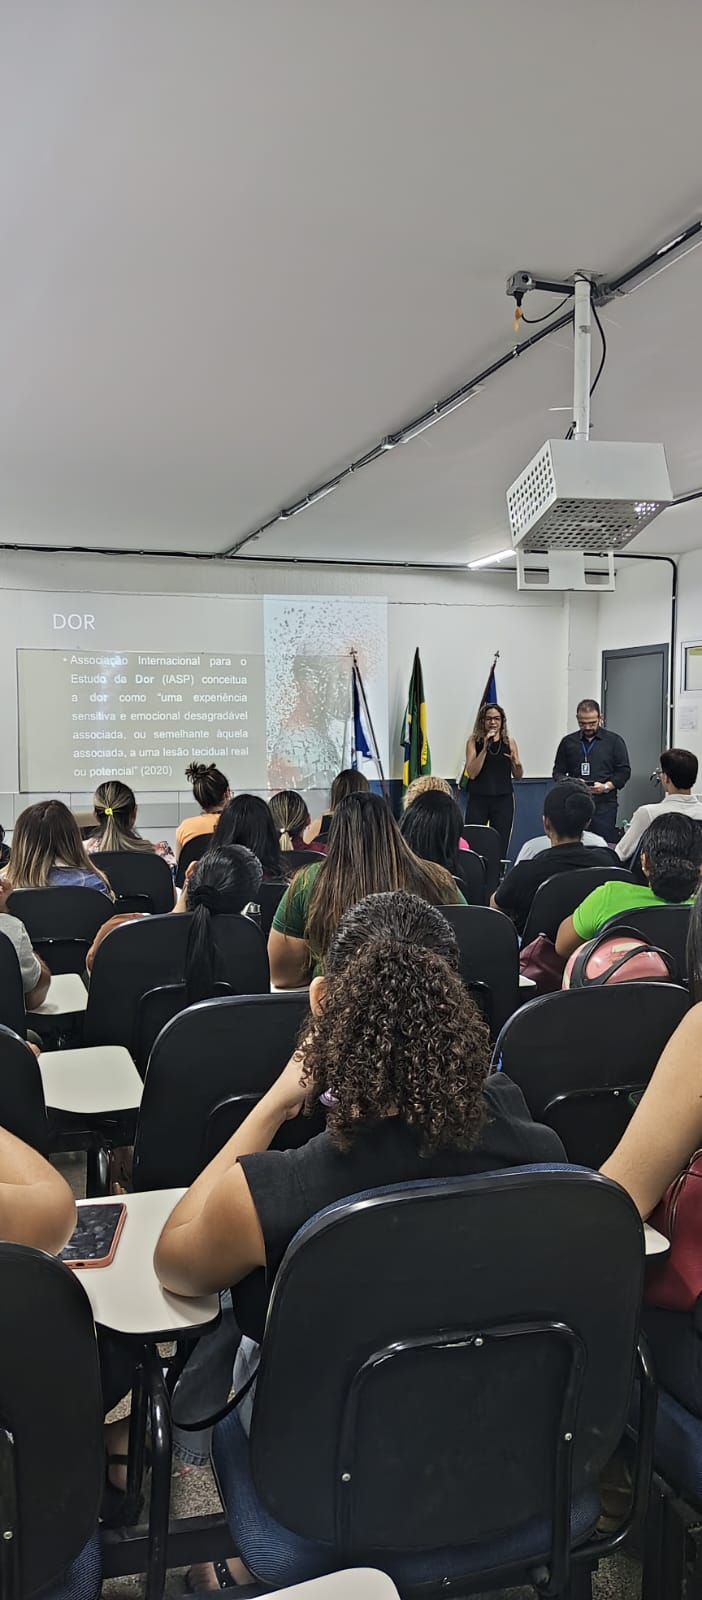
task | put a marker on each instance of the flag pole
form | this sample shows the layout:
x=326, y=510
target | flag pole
x=369, y=720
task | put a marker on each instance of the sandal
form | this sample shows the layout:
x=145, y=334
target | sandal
x=247, y=1591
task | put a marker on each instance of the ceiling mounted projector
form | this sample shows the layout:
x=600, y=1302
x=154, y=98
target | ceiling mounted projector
x=580, y=495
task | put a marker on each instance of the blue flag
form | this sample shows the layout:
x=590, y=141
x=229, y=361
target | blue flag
x=361, y=746
x=488, y=698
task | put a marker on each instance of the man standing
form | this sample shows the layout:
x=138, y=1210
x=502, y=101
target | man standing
x=678, y=774
x=601, y=759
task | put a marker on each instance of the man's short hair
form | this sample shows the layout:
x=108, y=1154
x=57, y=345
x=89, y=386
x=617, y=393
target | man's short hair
x=588, y=705
x=681, y=766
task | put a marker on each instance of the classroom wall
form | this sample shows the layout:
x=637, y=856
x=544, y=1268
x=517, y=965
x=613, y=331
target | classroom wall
x=457, y=619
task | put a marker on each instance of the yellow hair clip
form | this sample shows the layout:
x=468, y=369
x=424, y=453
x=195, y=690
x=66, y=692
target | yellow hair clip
x=108, y=811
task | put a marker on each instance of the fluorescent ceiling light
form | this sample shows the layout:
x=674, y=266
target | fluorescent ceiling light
x=488, y=561
x=431, y=417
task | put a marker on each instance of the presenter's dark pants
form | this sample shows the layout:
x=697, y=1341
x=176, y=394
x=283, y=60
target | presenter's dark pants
x=604, y=821
x=495, y=809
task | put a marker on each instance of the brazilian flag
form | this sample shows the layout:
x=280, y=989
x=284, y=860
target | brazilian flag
x=414, y=733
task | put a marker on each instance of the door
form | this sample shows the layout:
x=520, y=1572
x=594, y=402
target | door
x=635, y=704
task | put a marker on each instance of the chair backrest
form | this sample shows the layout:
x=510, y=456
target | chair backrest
x=192, y=851
x=488, y=844
x=52, y=1459
x=218, y=1053
x=301, y=858
x=149, y=955
x=665, y=926
x=61, y=923
x=462, y=1325
x=559, y=896
x=269, y=898
x=141, y=880
x=578, y=1056
x=489, y=955
x=472, y=877
x=22, y=1104
x=12, y=1012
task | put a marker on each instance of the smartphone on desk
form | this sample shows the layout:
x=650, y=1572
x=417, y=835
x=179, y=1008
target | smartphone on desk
x=95, y=1237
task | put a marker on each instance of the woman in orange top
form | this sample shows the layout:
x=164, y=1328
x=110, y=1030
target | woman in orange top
x=212, y=792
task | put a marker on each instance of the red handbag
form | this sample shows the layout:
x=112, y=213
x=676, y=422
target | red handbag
x=674, y=1281
x=540, y=962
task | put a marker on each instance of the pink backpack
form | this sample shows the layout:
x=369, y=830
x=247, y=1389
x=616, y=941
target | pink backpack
x=618, y=957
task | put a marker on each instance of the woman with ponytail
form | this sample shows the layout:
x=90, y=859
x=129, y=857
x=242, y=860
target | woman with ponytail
x=671, y=861
x=399, y=1053
x=222, y=883
x=290, y=818
x=115, y=810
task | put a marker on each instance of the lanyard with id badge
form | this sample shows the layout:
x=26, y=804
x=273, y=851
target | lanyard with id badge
x=585, y=763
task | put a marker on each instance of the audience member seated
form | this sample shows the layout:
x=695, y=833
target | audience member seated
x=671, y=858
x=568, y=808
x=367, y=855
x=290, y=818
x=664, y=1132
x=48, y=852
x=36, y=1204
x=211, y=790
x=678, y=774
x=345, y=783
x=36, y=976
x=432, y=827
x=247, y=820
x=4, y=849
x=427, y=785
x=115, y=810
x=225, y=880
x=400, y=1053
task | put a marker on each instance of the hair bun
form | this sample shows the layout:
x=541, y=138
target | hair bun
x=197, y=769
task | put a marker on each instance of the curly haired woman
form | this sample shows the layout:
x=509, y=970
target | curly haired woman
x=400, y=1053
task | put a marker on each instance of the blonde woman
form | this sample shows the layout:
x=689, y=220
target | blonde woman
x=115, y=811
x=48, y=852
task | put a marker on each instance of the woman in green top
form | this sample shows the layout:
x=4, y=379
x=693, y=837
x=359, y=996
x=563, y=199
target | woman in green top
x=367, y=855
x=671, y=859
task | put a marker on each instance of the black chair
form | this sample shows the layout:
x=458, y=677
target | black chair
x=137, y=982
x=207, y=1069
x=12, y=1011
x=52, y=1452
x=489, y=957
x=487, y=843
x=472, y=877
x=559, y=896
x=192, y=851
x=302, y=858
x=580, y=1055
x=463, y=1381
x=22, y=1105
x=665, y=926
x=269, y=897
x=141, y=880
x=61, y=923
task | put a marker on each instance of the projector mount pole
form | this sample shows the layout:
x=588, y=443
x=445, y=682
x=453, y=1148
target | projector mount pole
x=580, y=286
x=582, y=328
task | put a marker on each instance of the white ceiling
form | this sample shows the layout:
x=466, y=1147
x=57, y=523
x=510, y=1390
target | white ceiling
x=241, y=240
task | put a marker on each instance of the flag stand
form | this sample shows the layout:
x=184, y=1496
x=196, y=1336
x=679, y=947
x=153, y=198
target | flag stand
x=356, y=671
